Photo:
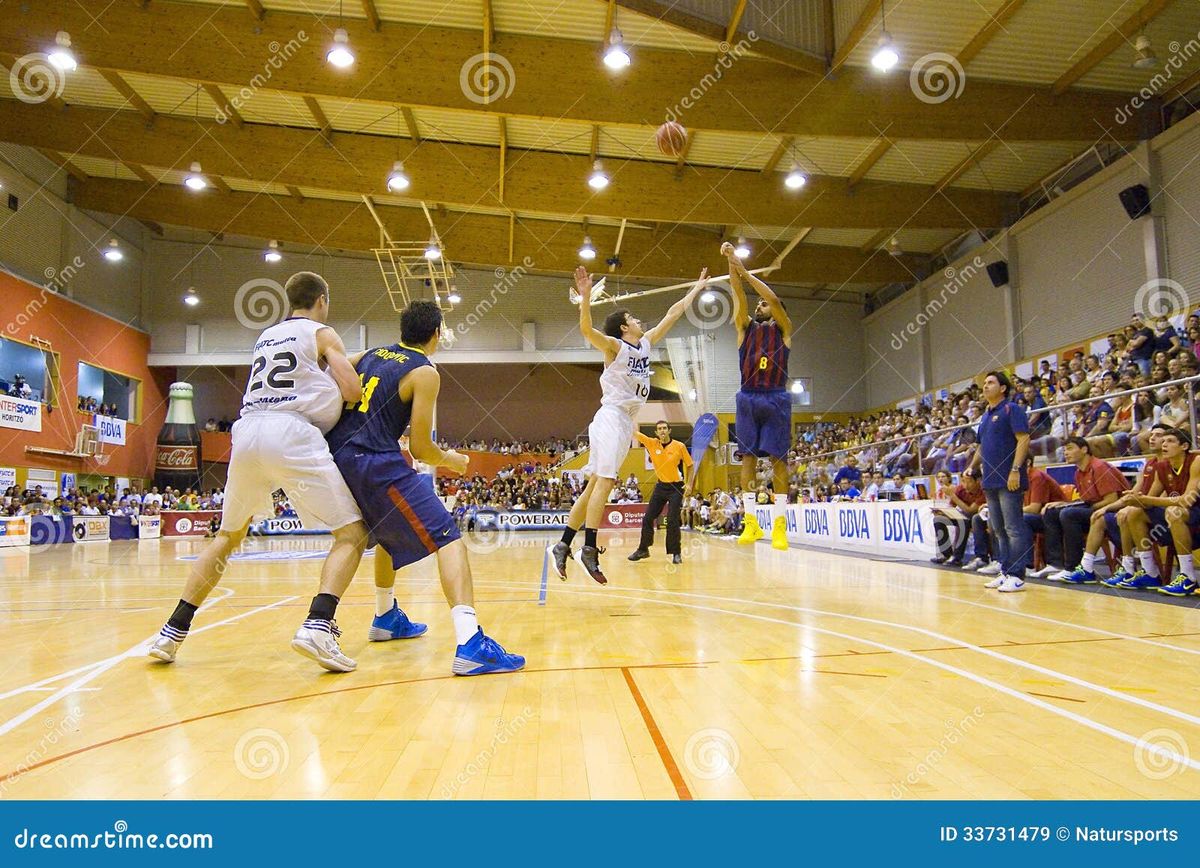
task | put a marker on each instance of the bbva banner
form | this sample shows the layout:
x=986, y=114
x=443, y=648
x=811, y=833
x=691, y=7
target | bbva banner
x=903, y=529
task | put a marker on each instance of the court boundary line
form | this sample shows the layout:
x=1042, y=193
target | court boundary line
x=656, y=736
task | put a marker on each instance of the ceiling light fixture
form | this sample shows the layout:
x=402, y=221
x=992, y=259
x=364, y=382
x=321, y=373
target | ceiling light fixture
x=190, y=298
x=432, y=250
x=195, y=180
x=587, y=251
x=893, y=247
x=454, y=297
x=598, y=180
x=708, y=296
x=340, y=55
x=742, y=251
x=397, y=181
x=113, y=252
x=797, y=387
x=795, y=178
x=616, y=57
x=60, y=56
x=885, y=57
x=1146, y=58
x=272, y=254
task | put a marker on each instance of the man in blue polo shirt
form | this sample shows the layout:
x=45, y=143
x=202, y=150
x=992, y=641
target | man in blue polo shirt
x=1003, y=444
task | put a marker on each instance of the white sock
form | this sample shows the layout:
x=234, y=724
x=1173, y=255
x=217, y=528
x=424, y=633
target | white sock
x=1147, y=559
x=1089, y=562
x=780, y=509
x=384, y=597
x=750, y=501
x=465, y=623
x=1127, y=563
x=1187, y=566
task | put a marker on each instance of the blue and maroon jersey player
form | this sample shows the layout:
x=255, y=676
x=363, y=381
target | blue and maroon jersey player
x=763, y=357
x=399, y=506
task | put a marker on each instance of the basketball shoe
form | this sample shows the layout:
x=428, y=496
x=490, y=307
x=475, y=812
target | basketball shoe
x=589, y=558
x=481, y=655
x=166, y=646
x=562, y=553
x=779, y=534
x=394, y=625
x=317, y=640
x=751, y=532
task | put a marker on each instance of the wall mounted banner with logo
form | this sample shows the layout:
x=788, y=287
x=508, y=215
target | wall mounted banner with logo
x=14, y=531
x=68, y=482
x=285, y=526
x=149, y=526
x=624, y=515
x=521, y=519
x=112, y=430
x=901, y=530
x=20, y=414
x=176, y=458
x=194, y=523
x=89, y=528
x=8, y=478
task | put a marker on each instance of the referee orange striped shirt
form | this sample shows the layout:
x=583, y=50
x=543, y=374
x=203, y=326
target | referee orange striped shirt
x=665, y=458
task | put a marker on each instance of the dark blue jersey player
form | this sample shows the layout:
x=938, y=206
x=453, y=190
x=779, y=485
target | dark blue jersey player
x=763, y=424
x=403, y=514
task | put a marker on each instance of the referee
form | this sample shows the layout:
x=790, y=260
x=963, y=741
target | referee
x=669, y=457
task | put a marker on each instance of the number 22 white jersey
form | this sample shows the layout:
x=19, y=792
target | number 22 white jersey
x=286, y=375
x=625, y=384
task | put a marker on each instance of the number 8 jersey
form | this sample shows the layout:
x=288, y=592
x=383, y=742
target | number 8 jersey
x=286, y=375
x=625, y=384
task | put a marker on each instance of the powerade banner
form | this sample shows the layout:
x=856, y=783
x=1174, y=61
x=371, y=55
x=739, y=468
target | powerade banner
x=286, y=526
x=702, y=434
x=521, y=519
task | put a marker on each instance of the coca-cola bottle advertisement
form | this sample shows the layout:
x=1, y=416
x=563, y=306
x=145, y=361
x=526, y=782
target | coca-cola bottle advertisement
x=177, y=455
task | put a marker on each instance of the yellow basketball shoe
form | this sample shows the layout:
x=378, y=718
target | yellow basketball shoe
x=751, y=532
x=779, y=534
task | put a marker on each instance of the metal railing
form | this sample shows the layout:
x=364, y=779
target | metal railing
x=1189, y=384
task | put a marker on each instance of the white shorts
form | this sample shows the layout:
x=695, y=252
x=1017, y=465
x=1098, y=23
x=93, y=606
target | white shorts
x=610, y=436
x=279, y=450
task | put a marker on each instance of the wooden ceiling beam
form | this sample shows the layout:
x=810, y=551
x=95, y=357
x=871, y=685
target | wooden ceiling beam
x=681, y=161
x=503, y=153
x=537, y=182
x=735, y=19
x=121, y=86
x=989, y=31
x=871, y=245
x=469, y=238
x=295, y=193
x=968, y=162
x=140, y=170
x=673, y=14
x=223, y=104
x=868, y=162
x=318, y=114
x=867, y=19
x=256, y=9
x=372, y=15
x=410, y=120
x=849, y=105
x=1120, y=35
x=218, y=183
x=64, y=163
x=782, y=148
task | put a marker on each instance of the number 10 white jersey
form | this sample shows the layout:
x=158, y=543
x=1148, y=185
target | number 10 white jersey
x=625, y=384
x=286, y=375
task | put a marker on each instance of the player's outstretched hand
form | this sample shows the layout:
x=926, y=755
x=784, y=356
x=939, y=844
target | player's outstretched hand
x=726, y=249
x=456, y=462
x=583, y=284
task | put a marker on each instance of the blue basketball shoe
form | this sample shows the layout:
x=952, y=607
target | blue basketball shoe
x=394, y=625
x=481, y=655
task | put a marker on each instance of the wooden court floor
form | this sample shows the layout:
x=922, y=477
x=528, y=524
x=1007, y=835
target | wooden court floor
x=743, y=673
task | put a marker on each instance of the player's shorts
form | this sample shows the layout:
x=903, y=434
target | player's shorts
x=1113, y=530
x=1158, y=521
x=274, y=450
x=764, y=423
x=403, y=513
x=609, y=439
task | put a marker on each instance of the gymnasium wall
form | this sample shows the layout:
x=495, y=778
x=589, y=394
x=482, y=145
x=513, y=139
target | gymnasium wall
x=1075, y=268
x=79, y=334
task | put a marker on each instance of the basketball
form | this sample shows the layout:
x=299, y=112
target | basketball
x=671, y=138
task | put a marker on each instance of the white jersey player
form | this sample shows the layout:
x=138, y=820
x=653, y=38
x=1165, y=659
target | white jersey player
x=299, y=380
x=625, y=386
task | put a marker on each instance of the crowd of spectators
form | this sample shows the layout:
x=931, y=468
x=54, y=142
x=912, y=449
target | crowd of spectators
x=558, y=449
x=91, y=405
x=106, y=501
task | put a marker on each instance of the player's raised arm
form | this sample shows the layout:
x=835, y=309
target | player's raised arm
x=741, y=311
x=778, y=311
x=333, y=351
x=675, y=311
x=426, y=382
x=595, y=337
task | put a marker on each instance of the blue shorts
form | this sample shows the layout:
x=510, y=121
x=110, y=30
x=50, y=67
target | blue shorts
x=1158, y=519
x=399, y=506
x=764, y=423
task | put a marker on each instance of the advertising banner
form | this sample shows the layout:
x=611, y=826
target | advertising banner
x=149, y=526
x=112, y=430
x=14, y=531
x=89, y=528
x=193, y=523
x=19, y=413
